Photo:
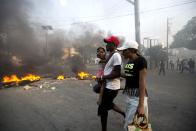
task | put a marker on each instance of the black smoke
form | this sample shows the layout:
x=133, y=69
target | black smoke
x=19, y=40
x=39, y=50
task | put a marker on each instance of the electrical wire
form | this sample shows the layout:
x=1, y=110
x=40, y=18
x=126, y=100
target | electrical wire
x=129, y=14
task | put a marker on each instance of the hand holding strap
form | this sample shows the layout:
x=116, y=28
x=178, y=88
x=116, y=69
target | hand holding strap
x=140, y=121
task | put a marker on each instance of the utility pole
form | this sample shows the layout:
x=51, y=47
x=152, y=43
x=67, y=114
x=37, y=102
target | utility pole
x=150, y=53
x=167, y=42
x=137, y=21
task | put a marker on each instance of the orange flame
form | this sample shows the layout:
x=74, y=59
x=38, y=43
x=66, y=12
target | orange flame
x=60, y=77
x=14, y=78
x=83, y=75
x=93, y=77
x=30, y=77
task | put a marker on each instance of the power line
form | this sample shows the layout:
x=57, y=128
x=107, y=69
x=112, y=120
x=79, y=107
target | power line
x=171, y=1
x=129, y=14
x=114, y=5
x=163, y=8
x=124, y=15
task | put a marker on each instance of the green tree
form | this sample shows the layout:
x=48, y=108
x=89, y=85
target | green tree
x=186, y=37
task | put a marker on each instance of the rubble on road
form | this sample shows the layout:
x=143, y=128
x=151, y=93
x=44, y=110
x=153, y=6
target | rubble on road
x=27, y=87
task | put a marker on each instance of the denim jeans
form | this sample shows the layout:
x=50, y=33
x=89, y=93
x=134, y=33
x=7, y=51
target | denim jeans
x=131, y=107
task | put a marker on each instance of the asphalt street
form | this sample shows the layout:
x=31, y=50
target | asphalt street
x=70, y=105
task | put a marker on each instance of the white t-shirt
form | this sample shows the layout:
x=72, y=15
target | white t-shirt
x=113, y=84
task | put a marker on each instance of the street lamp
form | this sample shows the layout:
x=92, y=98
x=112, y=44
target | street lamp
x=46, y=28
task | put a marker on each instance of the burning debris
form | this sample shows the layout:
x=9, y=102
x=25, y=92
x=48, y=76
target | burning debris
x=80, y=76
x=60, y=77
x=85, y=76
x=14, y=80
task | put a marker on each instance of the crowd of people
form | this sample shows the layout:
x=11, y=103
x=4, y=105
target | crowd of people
x=183, y=65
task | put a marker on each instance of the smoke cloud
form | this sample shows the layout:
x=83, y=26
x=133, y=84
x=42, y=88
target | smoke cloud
x=28, y=48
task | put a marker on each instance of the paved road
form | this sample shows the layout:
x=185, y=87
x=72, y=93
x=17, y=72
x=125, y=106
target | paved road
x=172, y=101
x=70, y=105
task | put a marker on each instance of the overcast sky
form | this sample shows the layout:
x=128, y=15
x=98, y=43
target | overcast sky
x=117, y=15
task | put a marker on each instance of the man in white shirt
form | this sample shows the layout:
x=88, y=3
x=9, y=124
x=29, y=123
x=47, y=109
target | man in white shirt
x=111, y=76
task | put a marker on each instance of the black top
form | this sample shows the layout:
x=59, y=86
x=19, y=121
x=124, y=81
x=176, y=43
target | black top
x=132, y=69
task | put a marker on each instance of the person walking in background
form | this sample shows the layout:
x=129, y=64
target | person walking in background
x=171, y=65
x=184, y=66
x=191, y=64
x=162, y=67
x=112, y=71
x=178, y=64
x=135, y=86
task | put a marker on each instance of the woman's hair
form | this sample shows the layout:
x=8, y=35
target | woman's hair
x=101, y=48
x=102, y=59
x=133, y=50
